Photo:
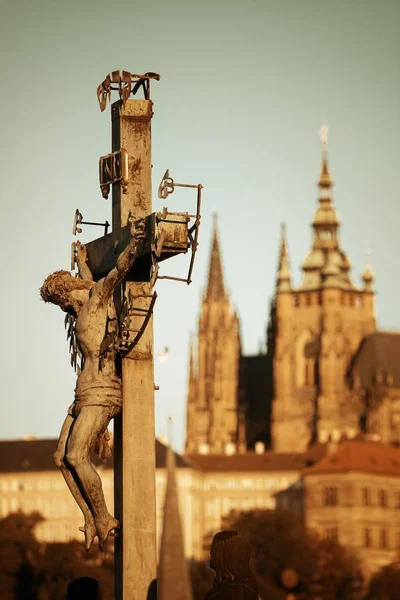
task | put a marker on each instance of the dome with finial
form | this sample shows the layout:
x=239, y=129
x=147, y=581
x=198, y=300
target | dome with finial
x=368, y=276
x=333, y=265
x=314, y=260
x=326, y=214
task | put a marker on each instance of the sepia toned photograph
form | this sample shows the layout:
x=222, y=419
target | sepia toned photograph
x=200, y=384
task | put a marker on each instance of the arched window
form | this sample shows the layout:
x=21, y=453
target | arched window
x=304, y=362
x=310, y=371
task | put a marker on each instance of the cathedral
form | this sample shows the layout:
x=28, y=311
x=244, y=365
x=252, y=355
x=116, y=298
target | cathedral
x=328, y=371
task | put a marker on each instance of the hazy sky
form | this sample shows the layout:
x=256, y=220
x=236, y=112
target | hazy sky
x=244, y=89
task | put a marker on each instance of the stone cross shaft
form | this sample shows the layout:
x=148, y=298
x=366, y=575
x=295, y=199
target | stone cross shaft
x=134, y=448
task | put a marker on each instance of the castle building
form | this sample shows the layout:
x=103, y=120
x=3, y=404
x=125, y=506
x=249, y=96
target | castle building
x=212, y=407
x=348, y=490
x=352, y=495
x=327, y=371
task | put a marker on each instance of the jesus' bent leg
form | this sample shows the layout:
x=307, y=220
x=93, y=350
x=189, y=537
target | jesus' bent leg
x=89, y=424
x=59, y=459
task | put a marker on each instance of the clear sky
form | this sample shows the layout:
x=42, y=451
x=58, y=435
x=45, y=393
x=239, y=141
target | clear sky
x=244, y=89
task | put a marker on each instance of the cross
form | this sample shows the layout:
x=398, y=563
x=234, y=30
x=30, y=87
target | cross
x=128, y=170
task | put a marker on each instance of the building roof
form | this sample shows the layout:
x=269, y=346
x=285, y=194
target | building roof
x=250, y=462
x=380, y=350
x=361, y=455
x=21, y=456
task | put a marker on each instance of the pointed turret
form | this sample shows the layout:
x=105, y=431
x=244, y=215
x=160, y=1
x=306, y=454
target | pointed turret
x=215, y=285
x=368, y=276
x=173, y=573
x=192, y=366
x=326, y=219
x=283, y=280
x=192, y=397
x=326, y=264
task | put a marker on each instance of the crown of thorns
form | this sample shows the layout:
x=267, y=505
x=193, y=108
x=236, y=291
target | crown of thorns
x=54, y=284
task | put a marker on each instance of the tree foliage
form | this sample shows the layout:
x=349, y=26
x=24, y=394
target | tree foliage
x=280, y=540
x=30, y=570
x=385, y=585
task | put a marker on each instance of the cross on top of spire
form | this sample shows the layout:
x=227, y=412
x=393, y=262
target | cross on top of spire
x=325, y=180
x=323, y=136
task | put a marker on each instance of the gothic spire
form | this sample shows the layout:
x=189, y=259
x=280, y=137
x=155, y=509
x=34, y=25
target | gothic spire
x=325, y=180
x=326, y=264
x=192, y=369
x=283, y=280
x=173, y=574
x=215, y=284
x=326, y=220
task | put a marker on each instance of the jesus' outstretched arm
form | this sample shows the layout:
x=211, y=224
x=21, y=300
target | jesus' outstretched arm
x=125, y=259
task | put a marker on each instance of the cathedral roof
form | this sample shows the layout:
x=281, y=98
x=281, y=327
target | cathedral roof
x=21, y=456
x=379, y=350
x=365, y=456
x=215, y=284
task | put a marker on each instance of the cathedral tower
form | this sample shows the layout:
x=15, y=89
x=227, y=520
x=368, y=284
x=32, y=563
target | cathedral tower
x=212, y=407
x=314, y=332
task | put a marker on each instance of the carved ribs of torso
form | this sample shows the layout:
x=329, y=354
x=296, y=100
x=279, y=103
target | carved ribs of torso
x=98, y=382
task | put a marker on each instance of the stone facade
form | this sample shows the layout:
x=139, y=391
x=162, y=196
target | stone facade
x=29, y=481
x=327, y=370
x=353, y=495
x=318, y=328
x=348, y=490
x=212, y=406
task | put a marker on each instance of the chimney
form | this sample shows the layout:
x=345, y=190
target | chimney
x=259, y=447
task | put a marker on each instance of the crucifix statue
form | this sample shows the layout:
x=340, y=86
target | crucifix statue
x=98, y=392
x=109, y=306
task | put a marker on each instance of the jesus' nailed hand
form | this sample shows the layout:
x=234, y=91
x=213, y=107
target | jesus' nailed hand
x=98, y=392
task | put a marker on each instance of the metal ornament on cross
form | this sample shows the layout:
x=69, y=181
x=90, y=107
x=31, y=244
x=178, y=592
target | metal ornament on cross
x=127, y=84
x=78, y=220
x=167, y=186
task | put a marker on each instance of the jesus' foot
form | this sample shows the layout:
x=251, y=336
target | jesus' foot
x=106, y=528
x=90, y=532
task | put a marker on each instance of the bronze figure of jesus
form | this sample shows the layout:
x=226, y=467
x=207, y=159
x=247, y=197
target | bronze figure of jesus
x=98, y=392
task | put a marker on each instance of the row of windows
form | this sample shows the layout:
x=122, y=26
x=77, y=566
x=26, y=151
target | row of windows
x=40, y=485
x=380, y=539
x=368, y=498
x=371, y=538
x=32, y=485
x=260, y=484
x=60, y=532
x=311, y=299
x=54, y=508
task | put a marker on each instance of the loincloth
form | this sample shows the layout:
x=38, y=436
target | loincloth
x=102, y=396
